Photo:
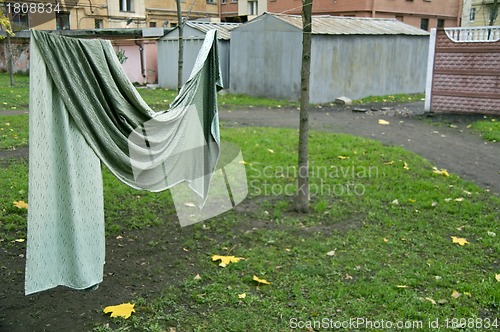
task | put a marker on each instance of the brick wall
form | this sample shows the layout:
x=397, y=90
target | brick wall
x=466, y=76
x=410, y=12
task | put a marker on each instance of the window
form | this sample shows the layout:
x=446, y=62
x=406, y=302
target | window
x=152, y=24
x=399, y=18
x=126, y=5
x=440, y=23
x=211, y=2
x=98, y=23
x=252, y=7
x=472, y=15
x=424, y=24
x=20, y=22
x=223, y=2
x=62, y=21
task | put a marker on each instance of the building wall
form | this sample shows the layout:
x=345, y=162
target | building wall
x=159, y=11
x=410, y=12
x=145, y=13
x=81, y=14
x=465, y=76
x=20, y=55
x=266, y=57
x=229, y=10
x=168, y=55
x=482, y=10
x=361, y=66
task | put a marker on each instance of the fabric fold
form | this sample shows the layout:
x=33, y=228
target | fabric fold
x=83, y=111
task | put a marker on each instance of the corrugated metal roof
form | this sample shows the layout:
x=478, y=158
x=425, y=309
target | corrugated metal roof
x=223, y=29
x=338, y=25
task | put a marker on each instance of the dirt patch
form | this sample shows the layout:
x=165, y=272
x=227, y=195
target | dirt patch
x=141, y=263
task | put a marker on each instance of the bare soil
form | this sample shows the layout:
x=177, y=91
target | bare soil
x=135, y=268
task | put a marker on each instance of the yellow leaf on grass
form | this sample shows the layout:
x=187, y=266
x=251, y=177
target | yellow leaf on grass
x=405, y=166
x=402, y=286
x=383, y=122
x=225, y=260
x=389, y=162
x=455, y=294
x=242, y=296
x=497, y=277
x=442, y=171
x=343, y=157
x=460, y=240
x=430, y=300
x=122, y=310
x=270, y=150
x=261, y=281
x=459, y=199
x=21, y=204
x=386, y=240
x=19, y=240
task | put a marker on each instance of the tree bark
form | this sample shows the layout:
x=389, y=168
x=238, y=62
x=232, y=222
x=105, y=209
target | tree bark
x=493, y=12
x=181, y=46
x=9, y=60
x=302, y=198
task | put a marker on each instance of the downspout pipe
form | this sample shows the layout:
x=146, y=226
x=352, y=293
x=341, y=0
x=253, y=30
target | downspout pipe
x=141, y=56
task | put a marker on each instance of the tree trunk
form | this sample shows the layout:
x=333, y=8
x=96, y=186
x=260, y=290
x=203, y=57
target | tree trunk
x=493, y=12
x=9, y=60
x=181, y=46
x=302, y=198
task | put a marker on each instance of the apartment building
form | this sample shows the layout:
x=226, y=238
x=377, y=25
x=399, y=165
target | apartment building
x=90, y=14
x=480, y=13
x=424, y=14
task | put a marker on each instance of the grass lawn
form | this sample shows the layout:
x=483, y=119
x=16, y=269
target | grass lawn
x=489, y=129
x=15, y=97
x=377, y=244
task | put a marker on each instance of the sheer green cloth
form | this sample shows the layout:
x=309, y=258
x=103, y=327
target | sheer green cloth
x=83, y=111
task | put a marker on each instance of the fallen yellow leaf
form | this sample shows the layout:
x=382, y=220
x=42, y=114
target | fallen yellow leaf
x=242, y=296
x=21, y=204
x=406, y=167
x=386, y=240
x=460, y=240
x=261, y=281
x=343, y=157
x=225, y=260
x=455, y=294
x=19, y=240
x=430, y=300
x=459, y=199
x=442, y=171
x=402, y=286
x=122, y=310
x=497, y=277
x=270, y=150
x=389, y=162
x=383, y=122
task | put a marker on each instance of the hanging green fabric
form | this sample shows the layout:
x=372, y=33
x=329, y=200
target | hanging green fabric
x=83, y=111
